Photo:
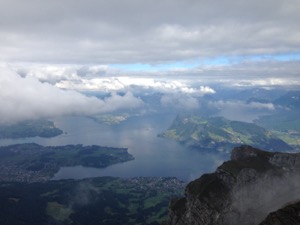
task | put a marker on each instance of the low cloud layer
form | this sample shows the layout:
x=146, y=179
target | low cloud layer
x=28, y=98
x=265, y=73
x=104, y=78
x=133, y=31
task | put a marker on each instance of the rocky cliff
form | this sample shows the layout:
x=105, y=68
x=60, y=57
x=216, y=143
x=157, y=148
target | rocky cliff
x=242, y=191
x=288, y=215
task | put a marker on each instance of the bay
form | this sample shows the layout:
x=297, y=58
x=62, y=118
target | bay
x=154, y=156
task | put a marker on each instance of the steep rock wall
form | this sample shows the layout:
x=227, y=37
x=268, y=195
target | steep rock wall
x=241, y=191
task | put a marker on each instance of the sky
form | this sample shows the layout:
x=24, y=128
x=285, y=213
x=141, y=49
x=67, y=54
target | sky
x=71, y=46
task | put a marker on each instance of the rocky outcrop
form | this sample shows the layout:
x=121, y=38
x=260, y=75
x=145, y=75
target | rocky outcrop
x=243, y=190
x=288, y=215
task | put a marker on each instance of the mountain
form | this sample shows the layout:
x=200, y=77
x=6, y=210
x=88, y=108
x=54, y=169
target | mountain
x=243, y=190
x=290, y=100
x=246, y=94
x=222, y=134
x=285, y=121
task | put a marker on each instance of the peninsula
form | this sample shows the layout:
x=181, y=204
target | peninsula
x=30, y=128
x=35, y=163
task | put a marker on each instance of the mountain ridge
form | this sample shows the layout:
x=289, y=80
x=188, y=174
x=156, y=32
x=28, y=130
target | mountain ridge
x=243, y=190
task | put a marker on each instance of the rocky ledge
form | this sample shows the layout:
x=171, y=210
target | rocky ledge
x=243, y=191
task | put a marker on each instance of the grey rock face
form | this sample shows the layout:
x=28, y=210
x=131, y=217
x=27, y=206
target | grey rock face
x=241, y=191
x=286, y=161
x=288, y=215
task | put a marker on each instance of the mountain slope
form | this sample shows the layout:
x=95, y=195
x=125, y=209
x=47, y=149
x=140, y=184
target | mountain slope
x=290, y=100
x=222, y=134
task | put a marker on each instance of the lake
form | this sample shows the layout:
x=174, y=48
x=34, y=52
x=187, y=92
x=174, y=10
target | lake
x=154, y=156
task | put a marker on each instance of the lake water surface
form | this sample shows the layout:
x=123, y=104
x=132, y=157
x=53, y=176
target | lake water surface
x=154, y=156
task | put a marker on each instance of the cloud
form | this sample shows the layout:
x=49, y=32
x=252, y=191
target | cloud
x=83, y=194
x=181, y=102
x=207, y=90
x=241, y=111
x=258, y=105
x=28, y=98
x=241, y=104
x=131, y=31
x=54, y=73
x=164, y=85
x=266, y=73
x=103, y=78
x=253, y=202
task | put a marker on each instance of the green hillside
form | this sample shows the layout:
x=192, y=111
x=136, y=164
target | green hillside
x=222, y=134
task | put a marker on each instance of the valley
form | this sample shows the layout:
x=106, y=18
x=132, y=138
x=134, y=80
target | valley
x=103, y=200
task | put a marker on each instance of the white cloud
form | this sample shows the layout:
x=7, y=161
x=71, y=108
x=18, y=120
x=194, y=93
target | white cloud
x=265, y=73
x=28, y=98
x=115, y=83
x=258, y=105
x=55, y=73
x=242, y=111
x=267, y=82
x=239, y=104
x=207, y=90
